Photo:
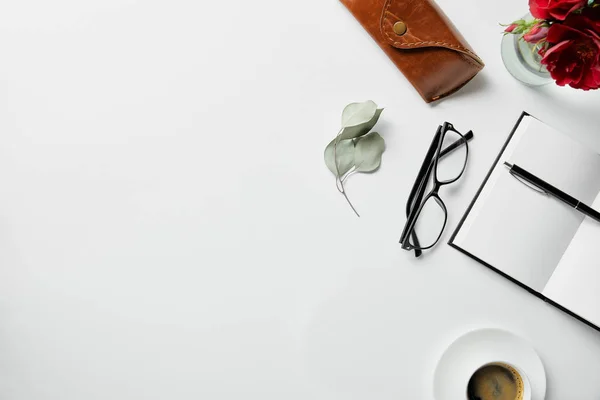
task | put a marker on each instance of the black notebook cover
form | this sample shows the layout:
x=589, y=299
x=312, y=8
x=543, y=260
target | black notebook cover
x=460, y=224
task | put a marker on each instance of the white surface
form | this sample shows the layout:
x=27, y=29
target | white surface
x=168, y=228
x=518, y=230
x=479, y=347
x=575, y=283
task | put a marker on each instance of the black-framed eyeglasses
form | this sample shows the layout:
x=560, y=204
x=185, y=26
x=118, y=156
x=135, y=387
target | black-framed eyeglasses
x=426, y=212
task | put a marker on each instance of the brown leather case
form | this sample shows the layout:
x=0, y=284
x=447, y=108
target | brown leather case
x=431, y=53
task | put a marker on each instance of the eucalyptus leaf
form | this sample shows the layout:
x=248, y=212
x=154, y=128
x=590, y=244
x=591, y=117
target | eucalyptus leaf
x=345, y=156
x=351, y=132
x=368, y=151
x=358, y=113
x=354, y=149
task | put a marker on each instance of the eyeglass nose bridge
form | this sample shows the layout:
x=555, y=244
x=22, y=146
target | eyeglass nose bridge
x=435, y=191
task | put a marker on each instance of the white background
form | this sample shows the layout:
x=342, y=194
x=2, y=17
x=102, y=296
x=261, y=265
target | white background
x=168, y=228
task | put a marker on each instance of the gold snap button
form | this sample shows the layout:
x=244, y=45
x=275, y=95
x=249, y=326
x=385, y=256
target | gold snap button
x=400, y=28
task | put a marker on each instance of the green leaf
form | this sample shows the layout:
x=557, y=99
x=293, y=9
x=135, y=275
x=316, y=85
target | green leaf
x=345, y=156
x=351, y=132
x=368, y=151
x=358, y=113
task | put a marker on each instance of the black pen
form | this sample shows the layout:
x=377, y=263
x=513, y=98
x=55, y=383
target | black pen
x=547, y=188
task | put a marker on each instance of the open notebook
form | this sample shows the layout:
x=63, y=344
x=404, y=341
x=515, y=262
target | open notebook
x=533, y=239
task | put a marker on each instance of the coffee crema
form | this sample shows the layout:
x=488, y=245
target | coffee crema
x=495, y=381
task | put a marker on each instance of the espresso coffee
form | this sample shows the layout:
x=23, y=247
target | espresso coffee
x=495, y=382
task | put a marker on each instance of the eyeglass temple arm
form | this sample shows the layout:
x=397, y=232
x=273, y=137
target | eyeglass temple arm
x=417, y=192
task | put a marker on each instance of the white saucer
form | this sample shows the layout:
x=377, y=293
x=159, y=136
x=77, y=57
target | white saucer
x=476, y=348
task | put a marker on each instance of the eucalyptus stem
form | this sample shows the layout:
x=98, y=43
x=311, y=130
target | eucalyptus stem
x=339, y=182
x=351, y=206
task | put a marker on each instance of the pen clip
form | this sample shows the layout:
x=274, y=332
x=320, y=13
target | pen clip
x=529, y=185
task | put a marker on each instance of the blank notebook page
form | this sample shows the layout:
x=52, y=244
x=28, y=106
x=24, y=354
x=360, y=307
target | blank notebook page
x=575, y=283
x=518, y=230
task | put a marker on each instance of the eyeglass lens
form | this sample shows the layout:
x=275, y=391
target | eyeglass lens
x=452, y=164
x=429, y=224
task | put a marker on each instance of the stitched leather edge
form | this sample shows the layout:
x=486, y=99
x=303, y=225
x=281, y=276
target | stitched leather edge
x=414, y=44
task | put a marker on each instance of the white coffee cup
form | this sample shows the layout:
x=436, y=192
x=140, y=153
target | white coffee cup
x=493, y=380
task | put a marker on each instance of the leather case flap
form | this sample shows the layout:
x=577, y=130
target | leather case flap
x=426, y=24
